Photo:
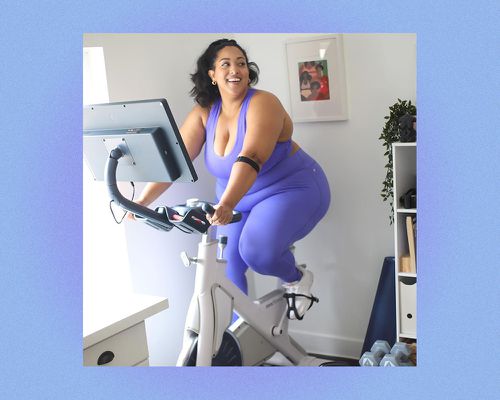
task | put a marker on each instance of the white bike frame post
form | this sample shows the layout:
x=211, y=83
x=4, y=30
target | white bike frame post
x=211, y=308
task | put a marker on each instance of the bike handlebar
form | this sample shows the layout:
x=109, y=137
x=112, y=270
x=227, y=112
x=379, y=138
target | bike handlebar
x=189, y=217
x=207, y=207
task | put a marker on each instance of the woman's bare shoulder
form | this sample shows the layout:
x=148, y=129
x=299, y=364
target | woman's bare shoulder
x=266, y=100
x=200, y=112
x=264, y=95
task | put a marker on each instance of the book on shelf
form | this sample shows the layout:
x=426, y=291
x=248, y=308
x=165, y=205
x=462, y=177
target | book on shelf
x=404, y=264
x=411, y=230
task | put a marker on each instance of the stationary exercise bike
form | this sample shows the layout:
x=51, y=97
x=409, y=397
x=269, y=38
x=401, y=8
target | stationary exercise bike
x=209, y=336
x=157, y=154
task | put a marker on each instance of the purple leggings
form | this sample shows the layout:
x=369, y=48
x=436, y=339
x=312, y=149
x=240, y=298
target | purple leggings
x=283, y=206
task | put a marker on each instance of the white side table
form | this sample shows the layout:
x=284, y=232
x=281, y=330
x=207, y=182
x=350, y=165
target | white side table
x=114, y=332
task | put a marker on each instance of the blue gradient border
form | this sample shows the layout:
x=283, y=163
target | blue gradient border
x=41, y=253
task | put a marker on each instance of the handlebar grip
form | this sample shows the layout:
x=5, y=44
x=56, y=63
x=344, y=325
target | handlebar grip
x=236, y=216
x=208, y=208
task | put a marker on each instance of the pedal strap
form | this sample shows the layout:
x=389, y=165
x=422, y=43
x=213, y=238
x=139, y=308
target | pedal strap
x=290, y=299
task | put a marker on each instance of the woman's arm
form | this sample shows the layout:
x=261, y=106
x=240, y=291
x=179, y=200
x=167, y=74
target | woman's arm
x=193, y=135
x=265, y=118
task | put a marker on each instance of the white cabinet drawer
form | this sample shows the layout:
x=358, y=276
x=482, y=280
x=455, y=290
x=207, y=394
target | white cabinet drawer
x=126, y=348
x=408, y=307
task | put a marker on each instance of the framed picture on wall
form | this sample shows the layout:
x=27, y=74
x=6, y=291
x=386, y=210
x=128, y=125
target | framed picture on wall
x=316, y=76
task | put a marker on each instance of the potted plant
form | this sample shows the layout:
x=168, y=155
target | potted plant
x=390, y=134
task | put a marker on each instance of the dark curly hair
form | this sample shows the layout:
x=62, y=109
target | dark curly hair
x=203, y=91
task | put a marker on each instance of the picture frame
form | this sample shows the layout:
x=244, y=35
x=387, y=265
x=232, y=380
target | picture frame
x=316, y=77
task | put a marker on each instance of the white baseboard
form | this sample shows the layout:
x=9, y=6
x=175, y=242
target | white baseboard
x=328, y=345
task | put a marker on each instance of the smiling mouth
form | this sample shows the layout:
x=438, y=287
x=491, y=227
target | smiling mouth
x=234, y=80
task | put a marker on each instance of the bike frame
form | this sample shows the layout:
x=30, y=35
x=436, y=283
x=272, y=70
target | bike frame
x=212, y=304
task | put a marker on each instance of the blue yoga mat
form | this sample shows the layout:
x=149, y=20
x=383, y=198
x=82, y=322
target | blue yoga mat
x=382, y=325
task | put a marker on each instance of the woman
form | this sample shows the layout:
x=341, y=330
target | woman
x=281, y=191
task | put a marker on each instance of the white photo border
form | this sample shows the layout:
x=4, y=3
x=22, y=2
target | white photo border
x=329, y=48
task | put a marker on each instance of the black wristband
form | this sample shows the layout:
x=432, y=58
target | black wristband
x=250, y=162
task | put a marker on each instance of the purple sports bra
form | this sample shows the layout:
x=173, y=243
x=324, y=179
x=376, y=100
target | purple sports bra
x=219, y=166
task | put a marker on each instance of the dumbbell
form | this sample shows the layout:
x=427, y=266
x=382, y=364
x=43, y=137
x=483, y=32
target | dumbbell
x=398, y=357
x=372, y=358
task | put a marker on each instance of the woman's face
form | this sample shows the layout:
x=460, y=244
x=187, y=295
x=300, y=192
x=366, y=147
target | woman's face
x=230, y=71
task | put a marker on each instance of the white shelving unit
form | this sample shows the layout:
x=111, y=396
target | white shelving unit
x=404, y=178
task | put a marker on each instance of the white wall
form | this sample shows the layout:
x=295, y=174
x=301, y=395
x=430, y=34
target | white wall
x=347, y=248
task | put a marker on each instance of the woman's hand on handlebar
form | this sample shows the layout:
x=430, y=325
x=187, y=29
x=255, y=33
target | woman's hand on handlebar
x=222, y=216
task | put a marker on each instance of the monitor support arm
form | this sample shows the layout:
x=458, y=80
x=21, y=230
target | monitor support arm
x=157, y=220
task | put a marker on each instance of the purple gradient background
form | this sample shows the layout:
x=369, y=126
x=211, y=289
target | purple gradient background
x=41, y=225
